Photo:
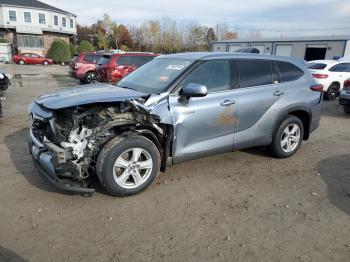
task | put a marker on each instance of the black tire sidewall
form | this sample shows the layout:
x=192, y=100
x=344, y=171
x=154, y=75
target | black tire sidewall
x=115, y=151
x=276, y=144
x=328, y=96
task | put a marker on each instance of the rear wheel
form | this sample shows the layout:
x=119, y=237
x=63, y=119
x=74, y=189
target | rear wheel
x=346, y=109
x=288, y=137
x=90, y=77
x=332, y=92
x=128, y=166
x=21, y=62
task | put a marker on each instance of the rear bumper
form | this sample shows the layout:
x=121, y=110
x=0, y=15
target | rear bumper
x=43, y=161
x=316, y=112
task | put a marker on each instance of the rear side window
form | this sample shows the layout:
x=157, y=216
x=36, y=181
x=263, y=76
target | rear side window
x=104, y=60
x=343, y=67
x=125, y=60
x=141, y=60
x=255, y=72
x=316, y=66
x=288, y=72
x=92, y=58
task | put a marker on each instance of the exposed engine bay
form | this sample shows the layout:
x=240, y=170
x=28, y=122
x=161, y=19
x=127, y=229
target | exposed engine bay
x=76, y=135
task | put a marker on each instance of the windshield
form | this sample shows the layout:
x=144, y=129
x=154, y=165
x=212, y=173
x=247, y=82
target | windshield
x=317, y=66
x=155, y=76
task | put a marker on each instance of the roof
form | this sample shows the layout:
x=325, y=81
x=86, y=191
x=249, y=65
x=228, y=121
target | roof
x=229, y=55
x=289, y=39
x=33, y=4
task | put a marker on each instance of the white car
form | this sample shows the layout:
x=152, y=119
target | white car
x=331, y=74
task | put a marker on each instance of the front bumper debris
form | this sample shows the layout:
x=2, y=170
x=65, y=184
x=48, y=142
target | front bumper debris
x=42, y=158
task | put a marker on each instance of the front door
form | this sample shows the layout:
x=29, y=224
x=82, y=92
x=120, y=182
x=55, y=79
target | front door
x=205, y=125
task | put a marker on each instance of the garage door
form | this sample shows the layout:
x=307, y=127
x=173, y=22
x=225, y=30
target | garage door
x=233, y=48
x=284, y=50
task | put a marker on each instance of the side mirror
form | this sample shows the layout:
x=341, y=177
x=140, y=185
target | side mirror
x=194, y=90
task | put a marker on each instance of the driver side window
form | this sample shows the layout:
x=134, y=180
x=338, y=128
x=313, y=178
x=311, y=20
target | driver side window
x=214, y=74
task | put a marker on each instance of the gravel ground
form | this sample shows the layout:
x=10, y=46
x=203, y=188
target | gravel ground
x=242, y=206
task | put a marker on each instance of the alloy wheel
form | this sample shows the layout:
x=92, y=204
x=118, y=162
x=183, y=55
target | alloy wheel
x=132, y=168
x=290, y=138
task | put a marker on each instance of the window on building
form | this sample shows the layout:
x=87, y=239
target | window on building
x=12, y=15
x=42, y=18
x=27, y=17
x=55, y=20
x=64, y=22
x=71, y=23
x=30, y=41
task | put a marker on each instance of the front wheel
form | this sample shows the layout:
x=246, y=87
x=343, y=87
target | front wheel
x=45, y=63
x=128, y=166
x=288, y=137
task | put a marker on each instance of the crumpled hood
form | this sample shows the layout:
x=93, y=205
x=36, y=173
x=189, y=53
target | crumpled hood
x=94, y=93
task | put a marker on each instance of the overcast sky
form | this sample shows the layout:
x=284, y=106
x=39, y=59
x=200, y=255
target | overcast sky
x=270, y=17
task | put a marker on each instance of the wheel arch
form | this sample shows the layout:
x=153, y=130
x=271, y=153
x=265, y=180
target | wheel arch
x=301, y=112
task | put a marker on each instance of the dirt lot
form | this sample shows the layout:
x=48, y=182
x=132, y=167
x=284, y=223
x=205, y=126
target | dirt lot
x=243, y=206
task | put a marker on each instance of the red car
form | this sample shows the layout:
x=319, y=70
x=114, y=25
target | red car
x=31, y=59
x=83, y=67
x=113, y=67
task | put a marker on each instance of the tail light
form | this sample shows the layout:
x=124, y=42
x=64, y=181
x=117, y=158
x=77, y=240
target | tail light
x=320, y=76
x=317, y=88
x=347, y=84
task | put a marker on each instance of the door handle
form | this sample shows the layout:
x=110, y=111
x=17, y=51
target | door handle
x=278, y=93
x=228, y=102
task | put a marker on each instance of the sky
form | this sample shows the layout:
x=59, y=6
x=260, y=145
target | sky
x=270, y=17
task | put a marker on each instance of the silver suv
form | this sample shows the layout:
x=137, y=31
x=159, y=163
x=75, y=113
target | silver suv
x=173, y=109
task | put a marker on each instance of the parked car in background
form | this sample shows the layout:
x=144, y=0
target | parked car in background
x=252, y=50
x=113, y=67
x=83, y=67
x=4, y=81
x=31, y=59
x=173, y=109
x=344, y=98
x=331, y=74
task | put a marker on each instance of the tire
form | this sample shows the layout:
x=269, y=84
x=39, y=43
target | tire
x=346, y=109
x=45, y=63
x=291, y=146
x=90, y=77
x=21, y=62
x=117, y=171
x=332, y=92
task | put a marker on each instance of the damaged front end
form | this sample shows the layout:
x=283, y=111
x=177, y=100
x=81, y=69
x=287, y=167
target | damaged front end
x=65, y=142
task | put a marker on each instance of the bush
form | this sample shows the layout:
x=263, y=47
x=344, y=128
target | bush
x=85, y=46
x=3, y=40
x=73, y=49
x=59, y=51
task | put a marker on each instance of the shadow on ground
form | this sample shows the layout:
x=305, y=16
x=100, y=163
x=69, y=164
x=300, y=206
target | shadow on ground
x=9, y=256
x=335, y=171
x=333, y=109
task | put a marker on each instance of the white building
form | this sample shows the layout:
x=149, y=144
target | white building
x=31, y=26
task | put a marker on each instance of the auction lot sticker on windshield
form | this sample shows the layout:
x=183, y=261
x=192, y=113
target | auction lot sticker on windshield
x=176, y=67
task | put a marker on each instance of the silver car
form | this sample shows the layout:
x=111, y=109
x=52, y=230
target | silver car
x=173, y=109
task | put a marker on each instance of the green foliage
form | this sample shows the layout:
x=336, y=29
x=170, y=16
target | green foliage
x=3, y=40
x=73, y=49
x=59, y=51
x=85, y=46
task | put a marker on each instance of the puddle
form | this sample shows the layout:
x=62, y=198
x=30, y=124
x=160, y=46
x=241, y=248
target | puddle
x=41, y=80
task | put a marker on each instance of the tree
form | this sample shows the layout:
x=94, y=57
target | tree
x=85, y=46
x=73, y=49
x=121, y=36
x=229, y=35
x=102, y=40
x=59, y=51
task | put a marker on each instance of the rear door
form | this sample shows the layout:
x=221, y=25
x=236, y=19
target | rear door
x=205, y=125
x=259, y=91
